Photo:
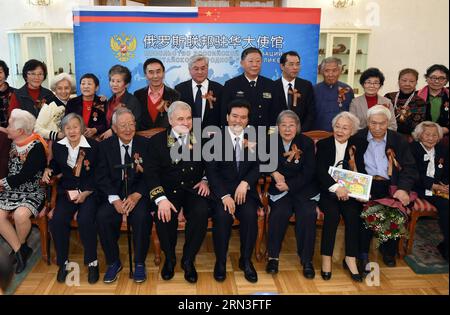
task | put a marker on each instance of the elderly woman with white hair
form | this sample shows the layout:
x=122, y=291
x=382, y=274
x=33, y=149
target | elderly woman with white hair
x=74, y=160
x=388, y=158
x=339, y=150
x=432, y=163
x=49, y=118
x=291, y=192
x=20, y=192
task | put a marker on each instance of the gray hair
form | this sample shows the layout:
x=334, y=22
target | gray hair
x=71, y=116
x=22, y=119
x=61, y=77
x=289, y=114
x=379, y=110
x=177, y=105
x=119, y=112
x=328, y=60
x=196, y=58
x=420, y=128
x=347, y=115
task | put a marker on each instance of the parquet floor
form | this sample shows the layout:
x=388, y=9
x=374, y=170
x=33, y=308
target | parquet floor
x=399, y=280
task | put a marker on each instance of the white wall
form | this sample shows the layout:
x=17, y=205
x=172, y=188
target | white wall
x=408, y=33
x=405, y=33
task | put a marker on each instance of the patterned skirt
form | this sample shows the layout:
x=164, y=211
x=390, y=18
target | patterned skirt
x=33, y=199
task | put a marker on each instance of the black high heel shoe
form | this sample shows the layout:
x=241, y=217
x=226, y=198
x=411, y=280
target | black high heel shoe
x=325, y=275
x=355, y=276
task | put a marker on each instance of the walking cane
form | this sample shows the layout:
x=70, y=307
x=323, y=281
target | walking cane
x=130, y=249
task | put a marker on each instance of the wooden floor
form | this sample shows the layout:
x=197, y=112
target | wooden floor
x=399, y=280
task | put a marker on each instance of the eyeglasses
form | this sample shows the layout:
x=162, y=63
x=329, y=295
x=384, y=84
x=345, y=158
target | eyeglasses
x=34, y=74
x=437, y=79
x=127, y=126
x=372, y=83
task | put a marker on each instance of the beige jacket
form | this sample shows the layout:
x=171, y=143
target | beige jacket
x=359, y=108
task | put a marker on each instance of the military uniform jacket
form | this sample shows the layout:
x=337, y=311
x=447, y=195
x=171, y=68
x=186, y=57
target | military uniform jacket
x=167, y=177
x=264, y=108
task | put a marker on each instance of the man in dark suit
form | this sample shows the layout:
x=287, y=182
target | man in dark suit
x=233, y=186
x=202, y=94
x=116, y=152
x=295, y=93
x=156, y=97
x=176, y=182
x=253, y=87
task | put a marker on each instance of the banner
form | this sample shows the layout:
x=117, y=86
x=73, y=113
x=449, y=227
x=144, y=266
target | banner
x=105, y=36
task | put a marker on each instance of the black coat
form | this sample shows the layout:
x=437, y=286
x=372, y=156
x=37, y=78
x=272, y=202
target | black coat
x=166, y=177
x=300, y=175
x=109, y=178
x=326, y=154
x=133, y=104
x=403, y=178
x=98, y=116
x=223, y=176
x=27, y=103
x=211, y=116
x=305, y=108
x=441, y=173
x=169, y=95
x=68, y=181
x=264, y=107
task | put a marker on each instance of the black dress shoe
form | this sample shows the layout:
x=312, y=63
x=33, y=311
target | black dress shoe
x=220, y=271
x=272, y=266
x=12, y=257
x=325, y=275
x=308, y=271
x=249, y=271
x=168, y=269
x=93, y=274
x=22, y=256
x=389, y=260
x=62, y=274
x=190, y=274
x=355, y=276
x=362, y=263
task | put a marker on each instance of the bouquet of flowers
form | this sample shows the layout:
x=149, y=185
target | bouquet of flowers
x=386, y=222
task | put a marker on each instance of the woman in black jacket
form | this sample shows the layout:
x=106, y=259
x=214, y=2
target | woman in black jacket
x=339, y=150
x=432, y=163
x=74, y=160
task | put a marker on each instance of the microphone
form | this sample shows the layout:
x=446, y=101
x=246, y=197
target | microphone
x=124, y=166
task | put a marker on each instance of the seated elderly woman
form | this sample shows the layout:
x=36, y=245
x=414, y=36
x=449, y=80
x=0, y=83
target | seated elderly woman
x=387, y=157
x=49, y=119
x=74, y=157
x=432, y=162
x=339, y=150
x=20, y=191
x=371, y=80
x=292, y=191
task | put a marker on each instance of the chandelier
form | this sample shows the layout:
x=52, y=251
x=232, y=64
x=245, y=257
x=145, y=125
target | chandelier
x=343, y=3
x=39, y=2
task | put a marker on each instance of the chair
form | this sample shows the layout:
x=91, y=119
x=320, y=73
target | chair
x=421, y=208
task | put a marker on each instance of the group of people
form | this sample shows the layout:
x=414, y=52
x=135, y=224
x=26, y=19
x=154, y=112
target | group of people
x=107, y=171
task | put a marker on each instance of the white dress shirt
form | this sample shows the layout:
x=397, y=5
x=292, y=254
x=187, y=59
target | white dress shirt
x=73, y=152
x=340, y=154
x=112, y=198
x=429, y=156
x=286, y=87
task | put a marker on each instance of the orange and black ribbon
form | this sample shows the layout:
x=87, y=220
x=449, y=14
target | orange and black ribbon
x=294, y=153
x=352, y=161
x=392, y=161
x=210, y=98
x=295, y=96
x=77, y=168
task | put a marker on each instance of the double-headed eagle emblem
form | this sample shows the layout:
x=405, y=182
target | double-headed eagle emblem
x=123, y=46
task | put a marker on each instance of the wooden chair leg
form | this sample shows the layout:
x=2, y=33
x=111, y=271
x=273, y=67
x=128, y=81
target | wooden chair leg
x=412, y=231
x=259, y=239
x=43, y=230
x=156, y=246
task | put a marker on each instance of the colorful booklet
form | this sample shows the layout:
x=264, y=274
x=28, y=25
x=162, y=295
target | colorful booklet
x=357, y=183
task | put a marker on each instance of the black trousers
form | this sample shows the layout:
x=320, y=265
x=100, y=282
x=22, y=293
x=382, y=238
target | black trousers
x=247, y=214
x=109, y=222
x=333, y=209
x=60, y=227
x=380, y=189
x=195, y=210
x=442, y=206
x=305, y=226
